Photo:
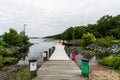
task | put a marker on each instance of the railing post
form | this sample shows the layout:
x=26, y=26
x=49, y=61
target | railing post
x=48, y=55
x=33, y=68
x=45, y=56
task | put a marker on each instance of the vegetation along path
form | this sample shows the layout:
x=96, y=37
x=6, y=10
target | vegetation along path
x=59, y=67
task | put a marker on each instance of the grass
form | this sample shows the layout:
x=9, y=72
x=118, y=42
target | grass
x=23, y=74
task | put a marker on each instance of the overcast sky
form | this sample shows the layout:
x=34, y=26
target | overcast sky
x=49, y=17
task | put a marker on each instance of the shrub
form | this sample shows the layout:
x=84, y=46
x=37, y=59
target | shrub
x=111, y=61
x=3, y=51
x=9, y=60
x=88, y=39
x=88, y=53
x=6, y=52
x=97, y=50
x=2, y=43
x=107, y=61
x=105, y=41
x=23, y=74
x=117, y=62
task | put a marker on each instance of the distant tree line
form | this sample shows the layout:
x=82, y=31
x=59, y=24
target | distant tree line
x=105, y=26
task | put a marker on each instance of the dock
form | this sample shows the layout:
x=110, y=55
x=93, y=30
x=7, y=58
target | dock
x=59, y=67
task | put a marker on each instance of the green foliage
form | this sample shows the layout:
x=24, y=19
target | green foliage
x=5, y=52
x=111, y=61
x=104, y=25
x=2, y=43
x=1, y=61
x=88, y=38
x=118, y=50
x=108, y=61
x=97, y=50
x=23, y=74
x=117, y=62
x=88, y=54
x=24, y=38
x=115, y=41
x=105, y=41
x=8, y=60
x=14, y=39
x=4, y=59
x=11, y=37
x=78, y=32
x=115, y=32
x=68, y=34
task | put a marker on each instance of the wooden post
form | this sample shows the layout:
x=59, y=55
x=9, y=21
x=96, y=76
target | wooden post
x=45, y=56
x=50, y=52
x=48, y=55
x=33, y=68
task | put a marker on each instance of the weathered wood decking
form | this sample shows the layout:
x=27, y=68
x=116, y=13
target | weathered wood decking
x=59, y=67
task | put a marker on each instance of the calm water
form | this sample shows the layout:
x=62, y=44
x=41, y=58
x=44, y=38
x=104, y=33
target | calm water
x=36, y=51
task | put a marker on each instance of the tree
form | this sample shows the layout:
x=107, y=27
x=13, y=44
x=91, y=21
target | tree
x=12, y=38
x=69, y=33
x=25, y=39
x=104, y=25
x=115, y=32
x=88, y=38
x=79, y=31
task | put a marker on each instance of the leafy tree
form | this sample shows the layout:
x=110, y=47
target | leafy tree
x=79, y=31
x=88, y=38
x=69, y=33
x=104, y=25
x=14, y=39
x=115, y=32
x=2, y=43
x=11, y=38
x=25, y=39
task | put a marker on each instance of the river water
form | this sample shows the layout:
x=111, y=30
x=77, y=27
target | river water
x=36, y=51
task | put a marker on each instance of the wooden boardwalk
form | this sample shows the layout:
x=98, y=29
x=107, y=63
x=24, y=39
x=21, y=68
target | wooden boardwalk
x=59, y=67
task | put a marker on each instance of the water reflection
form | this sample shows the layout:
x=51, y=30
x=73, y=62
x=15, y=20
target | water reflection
x=36, y=51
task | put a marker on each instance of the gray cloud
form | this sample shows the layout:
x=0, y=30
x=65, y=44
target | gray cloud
x=49, y=17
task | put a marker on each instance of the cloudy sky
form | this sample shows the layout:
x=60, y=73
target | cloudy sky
x=49, y=17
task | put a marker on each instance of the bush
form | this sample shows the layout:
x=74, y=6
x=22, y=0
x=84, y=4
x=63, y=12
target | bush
x=9, y=60
x=88, y=39
x=117, y=62
x=6, y=52
x=3, y=51
x=2, y=43
x=111, y=61
x=23, y=74
x=105, y=41
x=88, y=53
x=108, y=61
